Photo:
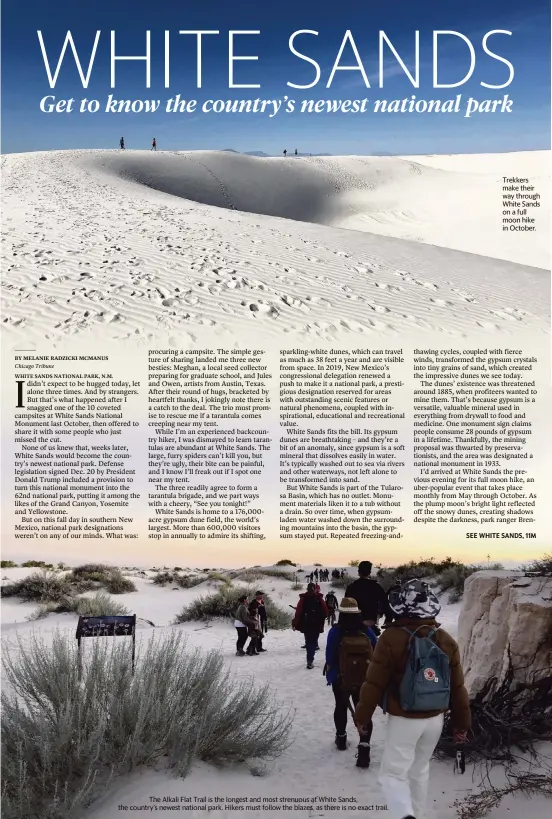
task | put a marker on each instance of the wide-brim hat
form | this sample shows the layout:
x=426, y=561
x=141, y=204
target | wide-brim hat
x=348, y=606
x=415, y=598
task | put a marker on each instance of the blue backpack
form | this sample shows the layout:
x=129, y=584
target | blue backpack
x=425, y=685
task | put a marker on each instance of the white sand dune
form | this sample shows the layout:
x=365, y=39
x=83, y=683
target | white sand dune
x=134, y=244
x=311, y=766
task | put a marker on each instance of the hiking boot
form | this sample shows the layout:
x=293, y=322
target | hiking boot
x=240, y=653
x=363, y=756
x=341, y=742
x=262, y=649
x=310, y=665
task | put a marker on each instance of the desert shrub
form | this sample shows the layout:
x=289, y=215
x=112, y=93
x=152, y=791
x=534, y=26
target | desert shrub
x=117, y=583
x=100, y=574
x=453, y=579
x=341, y=582
x=527, y=784
x=43, y=587
x=97, y=572
x=218, y=577
x=285, y=563
x=188, y=581
x=278, y=573
x=65, y=739
x=162, y=578
x=427, y=568
x=185, y=581
x=257, y=573
x=509, y=716
x=100, y=605
x=224, y=603
x=542, y=565
x=353, y=563
x=248, y=575
x=7, y=564
x=36, y=564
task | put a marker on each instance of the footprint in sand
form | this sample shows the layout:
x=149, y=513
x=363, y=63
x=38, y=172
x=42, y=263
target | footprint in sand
x=489, y=326
x=427, y=285
x=318, y=300
x=463, y=295
x=379, y=308
x=509, y=314
x=390, y=288
x=354, y=326
x=261, y=308
x=291, y=301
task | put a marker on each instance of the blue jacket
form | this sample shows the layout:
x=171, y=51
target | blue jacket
x=332, y=651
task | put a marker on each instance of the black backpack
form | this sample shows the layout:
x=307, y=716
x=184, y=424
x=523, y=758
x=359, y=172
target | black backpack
x=312, y=616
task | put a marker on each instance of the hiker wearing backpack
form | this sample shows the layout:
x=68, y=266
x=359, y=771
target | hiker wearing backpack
x=349, y=649
x=370, y=596
x=254, y=630
x=263, y=619
x=415, y=675
x=243, y=623
x=310, y=615
x=332, y=604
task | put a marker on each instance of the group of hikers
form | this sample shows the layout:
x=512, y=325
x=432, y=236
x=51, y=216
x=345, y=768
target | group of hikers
x=323, y=575
x=153, y=144
x=410, y=668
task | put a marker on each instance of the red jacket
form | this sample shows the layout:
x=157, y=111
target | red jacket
x=296, y=622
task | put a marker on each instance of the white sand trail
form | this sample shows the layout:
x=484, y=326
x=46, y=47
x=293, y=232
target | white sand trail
x=311, y=766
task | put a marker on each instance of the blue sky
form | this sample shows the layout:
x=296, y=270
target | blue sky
x=25, y=83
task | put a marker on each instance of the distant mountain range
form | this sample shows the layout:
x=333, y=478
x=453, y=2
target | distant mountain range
x=290, y=153
x=262, y=153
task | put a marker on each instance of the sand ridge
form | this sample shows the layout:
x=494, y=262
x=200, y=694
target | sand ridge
x=137, y=244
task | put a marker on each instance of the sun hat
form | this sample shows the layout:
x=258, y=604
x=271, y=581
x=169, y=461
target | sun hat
x=415, y=598
x=349, y=606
